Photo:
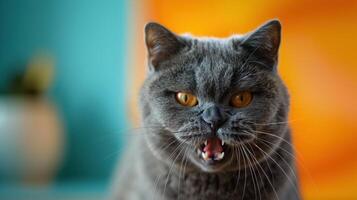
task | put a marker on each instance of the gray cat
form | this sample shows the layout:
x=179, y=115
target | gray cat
x=214, y=115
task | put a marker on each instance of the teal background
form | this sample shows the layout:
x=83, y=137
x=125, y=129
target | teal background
x=88, y=40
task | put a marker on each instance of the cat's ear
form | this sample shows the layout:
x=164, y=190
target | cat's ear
x=161, y=44
x=263, y=43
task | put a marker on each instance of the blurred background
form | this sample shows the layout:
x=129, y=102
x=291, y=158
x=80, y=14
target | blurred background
x=70, y=72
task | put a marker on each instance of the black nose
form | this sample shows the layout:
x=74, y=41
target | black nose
x=214, y=116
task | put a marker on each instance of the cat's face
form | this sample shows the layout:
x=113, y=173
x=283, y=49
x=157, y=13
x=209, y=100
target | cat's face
x=213, y=104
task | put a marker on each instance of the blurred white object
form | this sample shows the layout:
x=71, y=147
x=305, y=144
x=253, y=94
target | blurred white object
x=31, y=140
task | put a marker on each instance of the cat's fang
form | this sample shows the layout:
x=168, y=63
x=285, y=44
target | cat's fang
x=205, y=142
x=219, y=156
x=205, y=155
x=222, y=143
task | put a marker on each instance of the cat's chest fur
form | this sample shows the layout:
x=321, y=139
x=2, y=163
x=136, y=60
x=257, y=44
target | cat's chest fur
x=213, y=186
x=145, y=177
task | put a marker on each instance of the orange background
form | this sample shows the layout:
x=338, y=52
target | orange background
x=318, y=62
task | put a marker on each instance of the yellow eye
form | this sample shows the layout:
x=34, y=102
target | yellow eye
x=242, y=99
x=186, y=99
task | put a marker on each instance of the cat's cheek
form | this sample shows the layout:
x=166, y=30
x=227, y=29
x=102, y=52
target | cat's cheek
x=169, y=121
x=175, y=117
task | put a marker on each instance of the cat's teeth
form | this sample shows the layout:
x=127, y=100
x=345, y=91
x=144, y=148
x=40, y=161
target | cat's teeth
x=219, y=156
x=205, y=142
x=222, y=142
x=205, y=156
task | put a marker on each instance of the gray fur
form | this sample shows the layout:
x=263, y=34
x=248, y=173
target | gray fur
x=162, y=162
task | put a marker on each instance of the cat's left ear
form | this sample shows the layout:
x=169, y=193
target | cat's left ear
x=263, y=43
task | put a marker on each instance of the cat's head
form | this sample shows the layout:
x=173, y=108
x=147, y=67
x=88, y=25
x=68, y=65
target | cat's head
x=213, y=104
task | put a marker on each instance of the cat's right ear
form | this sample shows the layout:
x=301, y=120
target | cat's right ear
x=161, y=44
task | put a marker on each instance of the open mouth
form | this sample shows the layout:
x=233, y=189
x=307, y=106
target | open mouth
x=212, y=150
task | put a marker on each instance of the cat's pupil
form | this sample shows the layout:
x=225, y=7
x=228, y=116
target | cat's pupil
x=185, y=98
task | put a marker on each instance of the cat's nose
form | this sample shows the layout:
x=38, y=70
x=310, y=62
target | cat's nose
x=214, y=117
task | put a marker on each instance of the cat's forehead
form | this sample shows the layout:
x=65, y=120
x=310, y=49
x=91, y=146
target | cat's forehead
x=215, y=65
x=211, y=66
x=213, y=57
x=212, y=45
x=213, y=78
x=207, y=52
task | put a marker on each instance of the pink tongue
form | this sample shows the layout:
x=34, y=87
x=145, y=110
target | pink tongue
x=214, y=145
